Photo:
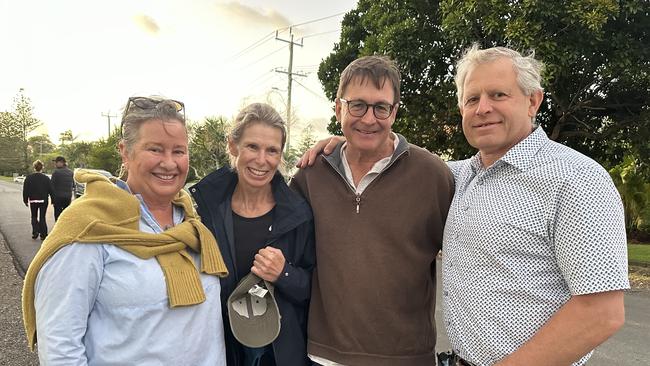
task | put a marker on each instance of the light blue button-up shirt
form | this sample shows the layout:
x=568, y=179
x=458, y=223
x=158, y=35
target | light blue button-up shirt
x=97, y=304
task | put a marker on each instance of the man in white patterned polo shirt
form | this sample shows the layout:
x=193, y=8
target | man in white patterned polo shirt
x=535, y=254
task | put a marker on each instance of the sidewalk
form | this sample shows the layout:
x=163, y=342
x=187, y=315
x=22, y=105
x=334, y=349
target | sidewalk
x=13, y=344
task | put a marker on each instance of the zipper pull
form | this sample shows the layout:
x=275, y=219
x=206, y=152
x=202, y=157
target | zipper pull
x=358, y=202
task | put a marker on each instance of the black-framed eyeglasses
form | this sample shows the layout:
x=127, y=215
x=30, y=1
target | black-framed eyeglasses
x=358, y=108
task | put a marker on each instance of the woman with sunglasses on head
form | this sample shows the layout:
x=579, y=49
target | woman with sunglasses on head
x=262, y=227
x=130, y=275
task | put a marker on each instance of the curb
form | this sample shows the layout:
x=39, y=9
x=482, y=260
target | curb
x=21, y=271
x=638, y=264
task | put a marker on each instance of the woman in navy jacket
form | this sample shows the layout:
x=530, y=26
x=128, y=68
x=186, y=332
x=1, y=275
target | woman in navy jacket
x=262, y=227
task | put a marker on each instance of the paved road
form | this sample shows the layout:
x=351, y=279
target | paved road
x=628, y=347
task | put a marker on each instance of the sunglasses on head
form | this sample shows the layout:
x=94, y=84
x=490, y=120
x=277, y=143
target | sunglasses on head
x=150, y=103
x=146, y=103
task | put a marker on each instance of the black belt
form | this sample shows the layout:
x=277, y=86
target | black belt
x=462, y=362
x=451, y=358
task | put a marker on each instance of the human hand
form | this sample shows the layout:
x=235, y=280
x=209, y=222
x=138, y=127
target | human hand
x=268, y=264
x=326, y=146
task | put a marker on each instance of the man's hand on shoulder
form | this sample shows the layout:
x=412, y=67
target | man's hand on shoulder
x=325, y=146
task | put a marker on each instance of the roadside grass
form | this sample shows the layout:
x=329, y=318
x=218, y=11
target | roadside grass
x=639, y=269
x=6, y=179
x=638, y=253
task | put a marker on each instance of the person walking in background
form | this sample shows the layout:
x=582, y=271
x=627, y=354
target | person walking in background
x=129, y=274
x=36, y=190
x=262, y=227
x=62, y=185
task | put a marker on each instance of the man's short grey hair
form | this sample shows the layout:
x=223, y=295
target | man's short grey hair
x=375, y=69
x=527, y=68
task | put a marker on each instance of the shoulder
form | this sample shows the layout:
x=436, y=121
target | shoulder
x=287, y=196
x=73, y=257
x=214, y=187
x=570, y=165
x=458, y=166
x=320, y=165
x=427, y=162
x=424, y=155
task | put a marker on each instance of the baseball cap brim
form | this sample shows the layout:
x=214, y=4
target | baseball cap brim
x=254, y=320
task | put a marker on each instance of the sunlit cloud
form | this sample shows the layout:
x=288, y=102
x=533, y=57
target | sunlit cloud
x=147, y=24
x=243, y=13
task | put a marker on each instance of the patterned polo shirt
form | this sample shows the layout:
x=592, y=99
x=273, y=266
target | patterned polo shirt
x=542, y=224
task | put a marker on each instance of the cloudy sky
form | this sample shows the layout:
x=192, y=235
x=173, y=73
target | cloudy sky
x=79, y=59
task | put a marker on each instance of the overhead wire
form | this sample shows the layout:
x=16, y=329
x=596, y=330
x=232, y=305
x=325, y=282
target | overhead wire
x=271, y=34
x=263, y=57
x=254, y=45
x=311, y=91
x=321, y=33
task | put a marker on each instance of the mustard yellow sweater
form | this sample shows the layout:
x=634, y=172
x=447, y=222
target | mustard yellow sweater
x=109, y=214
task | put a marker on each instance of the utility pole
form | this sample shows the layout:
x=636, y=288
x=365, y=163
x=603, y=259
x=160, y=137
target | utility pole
x=108, y=116
x=290, y=74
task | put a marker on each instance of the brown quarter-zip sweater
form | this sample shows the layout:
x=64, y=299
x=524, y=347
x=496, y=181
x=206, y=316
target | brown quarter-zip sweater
x=373, y=289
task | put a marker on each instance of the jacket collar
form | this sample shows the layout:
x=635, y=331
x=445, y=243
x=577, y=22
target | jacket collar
x=291, y=210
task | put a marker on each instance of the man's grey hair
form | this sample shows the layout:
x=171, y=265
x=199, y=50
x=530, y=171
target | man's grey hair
x=527, y=68
x=375, y=69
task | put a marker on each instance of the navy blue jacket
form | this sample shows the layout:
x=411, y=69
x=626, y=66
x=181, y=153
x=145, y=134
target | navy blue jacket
x=292, y=232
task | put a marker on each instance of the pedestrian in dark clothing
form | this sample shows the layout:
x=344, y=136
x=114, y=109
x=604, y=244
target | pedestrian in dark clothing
x=262, y=227
x=62, y=185
x=36, y=190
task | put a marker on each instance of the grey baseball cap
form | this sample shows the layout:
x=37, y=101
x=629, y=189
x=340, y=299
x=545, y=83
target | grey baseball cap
x=253, y=312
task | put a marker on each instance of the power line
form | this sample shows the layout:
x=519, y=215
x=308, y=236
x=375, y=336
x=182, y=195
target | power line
x=262, y=58
x=254, y=45
x=262, y=78
x=321, y=33
x=312, y=21
x=311, y=91
x=269, y=36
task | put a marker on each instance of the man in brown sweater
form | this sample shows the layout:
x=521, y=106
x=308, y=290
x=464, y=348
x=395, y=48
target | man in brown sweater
x=379, y=205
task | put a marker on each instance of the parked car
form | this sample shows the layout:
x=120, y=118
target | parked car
x=19, y=179
x=80, y=188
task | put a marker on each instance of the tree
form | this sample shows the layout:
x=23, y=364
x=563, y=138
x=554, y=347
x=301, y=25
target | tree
x=597, y=72
x=66, y=136
x=10, y=156
x=77, y=153
x=40, y=144
x=635, y=193
x=22, y=119
x=410, y=33
x=597, y=66
x=294, y=153
x=208, y=147
x=104, y=154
